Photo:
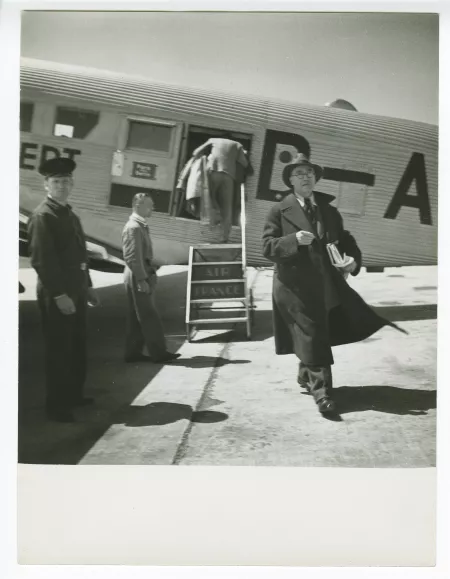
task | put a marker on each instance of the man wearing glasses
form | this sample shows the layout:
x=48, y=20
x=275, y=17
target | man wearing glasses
x=313, y=306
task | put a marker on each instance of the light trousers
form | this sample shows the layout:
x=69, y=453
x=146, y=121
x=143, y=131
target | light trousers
x=144, y=326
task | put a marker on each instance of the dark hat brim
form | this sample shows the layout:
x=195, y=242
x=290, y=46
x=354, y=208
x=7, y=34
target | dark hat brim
x=287, y=171
x=59, y=166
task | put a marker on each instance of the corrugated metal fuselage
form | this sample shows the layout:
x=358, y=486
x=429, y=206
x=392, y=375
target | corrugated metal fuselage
x=382, y=171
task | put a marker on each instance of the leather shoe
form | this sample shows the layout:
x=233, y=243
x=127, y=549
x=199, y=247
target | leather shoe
x=60, y=415
x=85, y=401
x=326, y=406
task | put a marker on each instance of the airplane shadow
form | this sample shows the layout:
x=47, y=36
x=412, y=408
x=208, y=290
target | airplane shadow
x=399, y=313
x=160, y=413
x=387, y=399
x=115, y=385
x=261, y=330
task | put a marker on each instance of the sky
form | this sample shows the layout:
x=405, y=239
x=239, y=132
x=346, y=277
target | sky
x=384, y=64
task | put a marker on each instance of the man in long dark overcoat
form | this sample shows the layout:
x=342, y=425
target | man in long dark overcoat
x=313, y=306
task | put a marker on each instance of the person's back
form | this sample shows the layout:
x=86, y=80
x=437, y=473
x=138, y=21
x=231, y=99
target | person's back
x=224, y=158
x=225, y=155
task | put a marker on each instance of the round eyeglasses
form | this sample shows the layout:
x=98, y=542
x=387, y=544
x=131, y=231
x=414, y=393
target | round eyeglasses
x=307, y=173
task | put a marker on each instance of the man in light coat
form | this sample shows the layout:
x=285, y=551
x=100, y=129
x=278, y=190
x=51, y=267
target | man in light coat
x=226, y=162
x=313, y=306
x=144, y=327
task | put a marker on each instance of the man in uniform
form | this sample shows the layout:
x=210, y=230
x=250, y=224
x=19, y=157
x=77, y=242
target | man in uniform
x=64, y=288
x=144, y=325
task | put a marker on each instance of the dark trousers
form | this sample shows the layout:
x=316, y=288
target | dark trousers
x=144, y=326
x=318, y=378
x=65, y=351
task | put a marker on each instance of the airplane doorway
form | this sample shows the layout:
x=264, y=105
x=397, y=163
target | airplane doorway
x=195, y=137
x=199, y=135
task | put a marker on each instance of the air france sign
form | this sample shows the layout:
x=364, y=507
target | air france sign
x=280, y=148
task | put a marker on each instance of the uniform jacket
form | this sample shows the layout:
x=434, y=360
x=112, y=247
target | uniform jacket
x=313, y=306
x=58, y=249
x=137, y=249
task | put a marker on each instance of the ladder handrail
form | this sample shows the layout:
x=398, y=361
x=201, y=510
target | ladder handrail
x=248, y=292
x=243, y=228
x=189, y=285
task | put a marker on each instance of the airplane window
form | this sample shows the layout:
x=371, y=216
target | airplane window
x=149, y=136
x=26, y=116
x=74, y=123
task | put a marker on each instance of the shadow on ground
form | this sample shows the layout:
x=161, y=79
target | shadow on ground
x=206, y=362
x=262, y=323
x=387, y=399
x=399, y=313
x=115, y=385
x=261, y=330
x=159, y=413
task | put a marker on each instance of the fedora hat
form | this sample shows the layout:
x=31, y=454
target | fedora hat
x=300, y=161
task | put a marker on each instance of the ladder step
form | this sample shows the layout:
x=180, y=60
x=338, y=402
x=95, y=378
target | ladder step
x=212, y=300
x=217, y=321
x=218, y=311
x=218, y=281
x=216, y=262
x=217, y=246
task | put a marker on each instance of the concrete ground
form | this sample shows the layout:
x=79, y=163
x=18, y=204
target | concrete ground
x=229, y=401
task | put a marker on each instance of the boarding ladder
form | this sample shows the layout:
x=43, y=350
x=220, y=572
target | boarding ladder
x=217, y=291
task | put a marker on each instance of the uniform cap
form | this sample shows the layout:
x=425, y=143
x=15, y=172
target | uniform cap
x=58, y=166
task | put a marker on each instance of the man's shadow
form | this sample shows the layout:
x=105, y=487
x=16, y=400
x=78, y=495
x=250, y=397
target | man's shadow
x=206, y=362
x=160, y=413
x=387, y=399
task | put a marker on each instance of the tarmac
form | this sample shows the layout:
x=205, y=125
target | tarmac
x=231, y=401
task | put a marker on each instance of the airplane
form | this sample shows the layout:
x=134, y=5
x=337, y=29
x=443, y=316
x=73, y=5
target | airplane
x=130, y=134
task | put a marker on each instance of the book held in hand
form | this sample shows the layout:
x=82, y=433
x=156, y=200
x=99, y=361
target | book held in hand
x=336, y=258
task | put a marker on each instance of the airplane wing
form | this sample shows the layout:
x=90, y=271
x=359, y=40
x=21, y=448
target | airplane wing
x=101, y=256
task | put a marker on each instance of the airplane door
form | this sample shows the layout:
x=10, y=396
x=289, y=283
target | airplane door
x=146, y=161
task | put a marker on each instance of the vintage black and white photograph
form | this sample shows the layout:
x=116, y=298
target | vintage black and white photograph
x=228, y=257
x=228, y=239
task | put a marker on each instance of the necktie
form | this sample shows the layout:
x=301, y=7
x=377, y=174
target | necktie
x=310, y=211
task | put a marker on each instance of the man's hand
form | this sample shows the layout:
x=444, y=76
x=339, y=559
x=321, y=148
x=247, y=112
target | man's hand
x=65, y=305
x=93, y=299
x=350, y=267
x=304, y=237
x=347, y=269
x=143, y=286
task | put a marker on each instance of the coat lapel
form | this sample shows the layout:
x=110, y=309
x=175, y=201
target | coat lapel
x=321, y=228
x=292, y=211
